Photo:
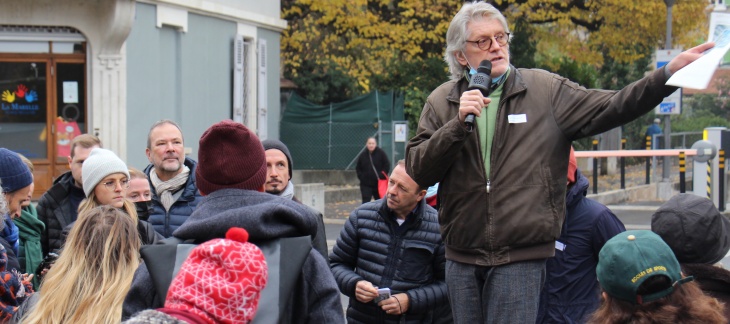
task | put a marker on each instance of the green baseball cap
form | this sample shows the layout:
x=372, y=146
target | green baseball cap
x=630, y=258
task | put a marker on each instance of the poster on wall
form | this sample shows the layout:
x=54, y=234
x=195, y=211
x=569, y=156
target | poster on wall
x=65, y=132
x=20, y=104
x=70, y=92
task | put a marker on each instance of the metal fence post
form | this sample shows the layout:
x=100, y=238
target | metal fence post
x=623, y=165
x=595, y=168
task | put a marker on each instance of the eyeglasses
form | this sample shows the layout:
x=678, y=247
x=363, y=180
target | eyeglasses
x=112, y=184
x=486, y=43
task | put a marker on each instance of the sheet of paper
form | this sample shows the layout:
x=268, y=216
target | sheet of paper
x=697, y=74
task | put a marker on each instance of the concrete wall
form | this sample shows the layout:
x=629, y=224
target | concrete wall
x=182, y=76
x=328, y=177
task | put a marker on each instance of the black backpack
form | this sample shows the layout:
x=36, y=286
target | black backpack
x=165, y=259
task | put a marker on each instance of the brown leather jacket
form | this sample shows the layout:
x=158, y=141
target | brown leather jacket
x=516, y=212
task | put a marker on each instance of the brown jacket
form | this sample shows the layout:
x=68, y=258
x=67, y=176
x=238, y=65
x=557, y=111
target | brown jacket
x=521, y=214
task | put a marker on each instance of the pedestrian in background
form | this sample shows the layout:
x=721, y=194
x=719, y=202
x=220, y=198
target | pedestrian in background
x=654, y=129
x=642, y=283
x=700, y=238
x=372, y=165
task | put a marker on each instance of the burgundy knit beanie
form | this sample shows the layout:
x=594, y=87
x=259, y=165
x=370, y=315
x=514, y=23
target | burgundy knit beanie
x=230, y=156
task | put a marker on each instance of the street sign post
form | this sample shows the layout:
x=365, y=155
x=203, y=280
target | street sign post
x=672, y=104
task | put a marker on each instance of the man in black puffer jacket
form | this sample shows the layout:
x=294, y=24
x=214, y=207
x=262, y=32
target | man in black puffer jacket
x=59, y=206
x=393, y=243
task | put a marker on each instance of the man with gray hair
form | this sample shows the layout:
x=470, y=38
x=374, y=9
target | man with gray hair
x=172, y=177
x=502, y=178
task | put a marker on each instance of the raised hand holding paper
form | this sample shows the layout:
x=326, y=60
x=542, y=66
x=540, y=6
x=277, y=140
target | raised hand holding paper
x=697, y=74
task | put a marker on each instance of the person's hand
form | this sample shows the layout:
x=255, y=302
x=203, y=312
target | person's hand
x=45, y=270
x=395, y=305
x=472, y=102
x=688, y=57
x=365, y=291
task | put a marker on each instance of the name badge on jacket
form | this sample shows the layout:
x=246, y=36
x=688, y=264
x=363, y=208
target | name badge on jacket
x=517, y=119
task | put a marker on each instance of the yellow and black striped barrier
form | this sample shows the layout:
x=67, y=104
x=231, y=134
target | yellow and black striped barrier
x=709, y=179
x=648, y=160
x=721, y=183
x=682, y=185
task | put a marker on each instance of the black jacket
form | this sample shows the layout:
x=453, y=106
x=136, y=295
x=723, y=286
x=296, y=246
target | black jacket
x=364, y=168
x=166, y=222
x=55, y=211
x=407, y=260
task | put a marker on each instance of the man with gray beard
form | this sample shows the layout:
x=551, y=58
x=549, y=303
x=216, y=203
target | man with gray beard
x=172, y=178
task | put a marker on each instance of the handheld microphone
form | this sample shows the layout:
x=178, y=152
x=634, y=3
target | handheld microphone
x=481, y=81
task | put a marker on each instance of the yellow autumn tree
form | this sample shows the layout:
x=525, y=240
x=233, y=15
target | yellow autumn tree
x=363, y=39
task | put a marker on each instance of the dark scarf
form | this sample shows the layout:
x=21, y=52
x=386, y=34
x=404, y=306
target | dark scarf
x=30, y=229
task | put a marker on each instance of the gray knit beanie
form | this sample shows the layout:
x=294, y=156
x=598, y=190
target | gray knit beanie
x=278, y=145
x=100, y=163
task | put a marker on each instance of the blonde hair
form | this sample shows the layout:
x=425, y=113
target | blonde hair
x=90, y=203
x=90, y=279
x=136, y=174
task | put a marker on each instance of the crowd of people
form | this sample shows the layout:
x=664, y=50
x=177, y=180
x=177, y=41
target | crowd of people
x=514, y=240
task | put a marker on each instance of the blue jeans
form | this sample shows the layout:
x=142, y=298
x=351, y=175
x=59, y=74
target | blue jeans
x=507, y=293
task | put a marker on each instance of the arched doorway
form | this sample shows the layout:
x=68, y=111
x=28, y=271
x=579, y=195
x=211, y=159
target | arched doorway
x=43, y=100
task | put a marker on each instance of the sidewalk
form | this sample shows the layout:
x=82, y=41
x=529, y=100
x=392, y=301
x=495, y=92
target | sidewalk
x=338, y=212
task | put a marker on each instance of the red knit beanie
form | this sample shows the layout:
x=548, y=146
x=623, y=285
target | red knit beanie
x=221, y=280
x=230, y=156
x=572, y=166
